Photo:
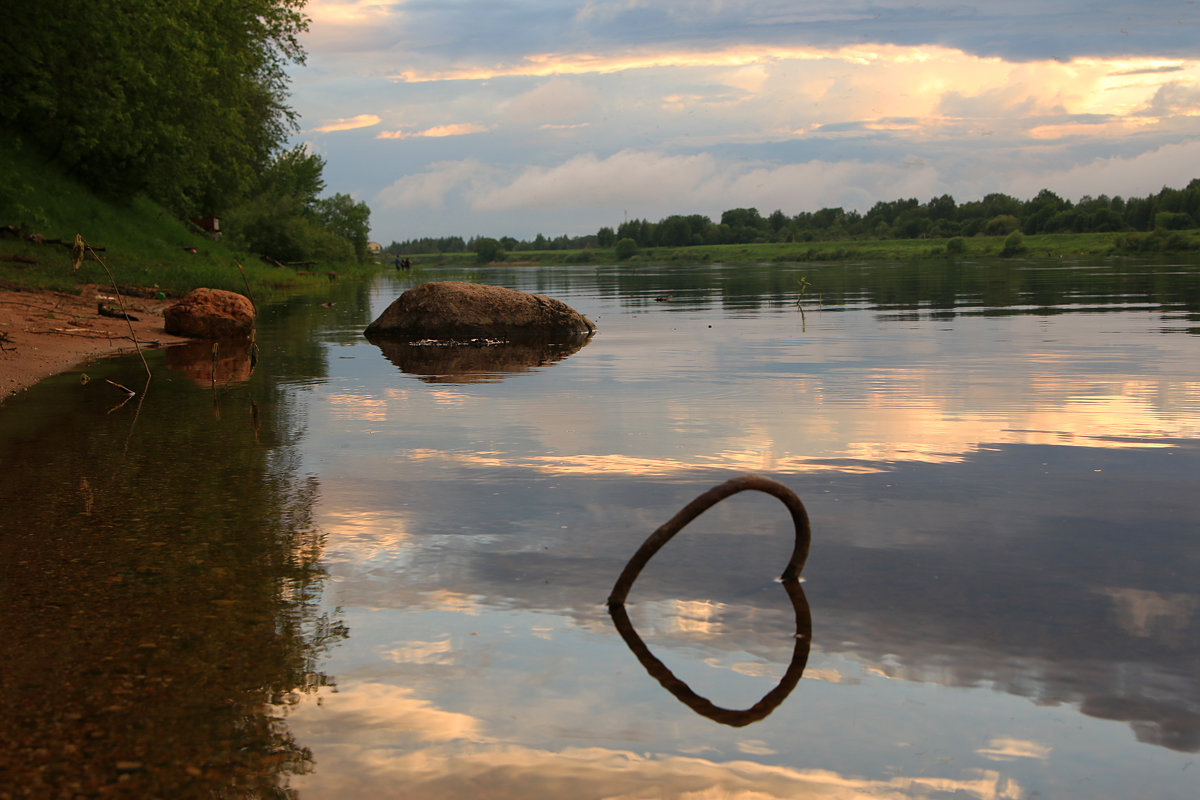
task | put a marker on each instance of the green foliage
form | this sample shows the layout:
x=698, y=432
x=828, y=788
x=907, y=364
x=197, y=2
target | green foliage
x=1173, y=221
x=1014, y=244
x=183, y=100
x=142, y=243
x=347, y=220
x=626, y=249
x=284, y=220
x=1001, y=225
x=956, y=246
x=488, y=250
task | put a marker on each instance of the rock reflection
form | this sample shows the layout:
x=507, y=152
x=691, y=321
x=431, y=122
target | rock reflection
x=220, y=362
x=705, y=707
x=475, y=360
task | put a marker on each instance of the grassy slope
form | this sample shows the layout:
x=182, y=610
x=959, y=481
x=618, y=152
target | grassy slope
x=140, y=243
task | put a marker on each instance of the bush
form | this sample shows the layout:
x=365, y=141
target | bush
x=1014, y=244
x=956, y=246
x=626, y=248
x=1001, y=225
x=488, y=250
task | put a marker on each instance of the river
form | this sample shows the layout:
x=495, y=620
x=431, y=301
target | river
x=340, y=571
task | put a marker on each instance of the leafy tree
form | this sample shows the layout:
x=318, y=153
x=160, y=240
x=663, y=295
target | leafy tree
x=183, y=100
x=625, y=249
x=1001, y=225
x=674, y=232
x=346, y=219
x=488, y=250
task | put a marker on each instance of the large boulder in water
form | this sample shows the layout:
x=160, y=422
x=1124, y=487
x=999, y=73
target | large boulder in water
x=210, y=314
x=459, y=310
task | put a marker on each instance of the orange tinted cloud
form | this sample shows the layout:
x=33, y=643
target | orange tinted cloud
x=438, y=131
x=349, y=123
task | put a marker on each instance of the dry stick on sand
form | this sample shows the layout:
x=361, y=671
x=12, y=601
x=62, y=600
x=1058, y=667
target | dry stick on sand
x=76, y=257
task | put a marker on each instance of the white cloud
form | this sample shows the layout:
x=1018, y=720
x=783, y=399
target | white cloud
x=349, y=123
x=436, y=132
x=431, y=188
x=1131, y=176
x=556, y=100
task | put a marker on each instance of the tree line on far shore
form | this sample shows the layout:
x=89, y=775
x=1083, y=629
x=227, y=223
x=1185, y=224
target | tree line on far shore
x=941, y=217
x=186, y=103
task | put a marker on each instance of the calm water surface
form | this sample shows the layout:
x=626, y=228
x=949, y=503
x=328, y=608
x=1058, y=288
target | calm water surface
x=384, y=574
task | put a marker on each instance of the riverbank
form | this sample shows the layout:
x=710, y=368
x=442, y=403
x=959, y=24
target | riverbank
x=44, y=332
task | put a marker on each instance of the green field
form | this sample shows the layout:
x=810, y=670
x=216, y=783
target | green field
x=1054, y=245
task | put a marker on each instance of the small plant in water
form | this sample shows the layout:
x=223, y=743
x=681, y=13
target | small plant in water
x=804, y=284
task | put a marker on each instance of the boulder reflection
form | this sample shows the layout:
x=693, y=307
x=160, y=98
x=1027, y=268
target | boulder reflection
x=474, y=360
x=220, y=362
x=702, y=705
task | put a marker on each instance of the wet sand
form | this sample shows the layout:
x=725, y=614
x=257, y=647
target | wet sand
x=43, y=333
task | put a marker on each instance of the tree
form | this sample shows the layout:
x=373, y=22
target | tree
x=625, y=249
x=185, y=100
x=488, y=250
x=346, y=219
x=1001, y=225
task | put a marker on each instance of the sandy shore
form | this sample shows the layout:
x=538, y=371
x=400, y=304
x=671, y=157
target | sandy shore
x=43, y=333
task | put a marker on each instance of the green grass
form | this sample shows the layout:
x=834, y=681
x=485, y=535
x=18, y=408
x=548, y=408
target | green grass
x=1053, y=245
x=139, y=242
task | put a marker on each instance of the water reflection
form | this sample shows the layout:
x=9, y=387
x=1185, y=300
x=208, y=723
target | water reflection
x=702, y=705
x=476, y=360
x=215, y=363
x=161, y=586
x=1008, y=607
x=790, y=580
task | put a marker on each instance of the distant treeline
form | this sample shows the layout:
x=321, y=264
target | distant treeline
x=185, y=103
x=942, y=217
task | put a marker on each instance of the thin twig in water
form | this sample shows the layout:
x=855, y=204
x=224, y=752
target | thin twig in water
x=81, y=243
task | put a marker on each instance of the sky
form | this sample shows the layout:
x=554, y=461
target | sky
x=485, y=118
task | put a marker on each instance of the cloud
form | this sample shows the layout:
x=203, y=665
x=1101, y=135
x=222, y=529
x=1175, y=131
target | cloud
x=555, y=101
x=436, y=132
x=1174, y=98
x=430, y=189
x=656, y=184
x=1004, y=748
x=583, y=113
x=1134, y=175
x=349, y=123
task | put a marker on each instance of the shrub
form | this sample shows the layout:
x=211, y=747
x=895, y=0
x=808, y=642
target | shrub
x=1014, y=244
x=956, y=246
x=626, y=248
x=488, y=250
